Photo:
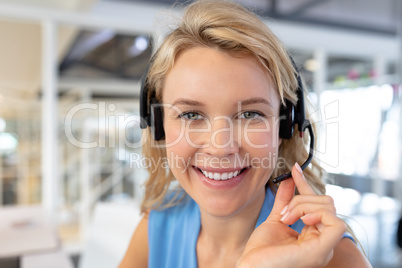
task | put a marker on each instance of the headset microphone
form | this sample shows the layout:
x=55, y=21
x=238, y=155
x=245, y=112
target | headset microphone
x=306, y=163
x=291, y=115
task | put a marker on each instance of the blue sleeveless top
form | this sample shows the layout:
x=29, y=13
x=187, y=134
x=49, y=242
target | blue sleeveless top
x=173, y=233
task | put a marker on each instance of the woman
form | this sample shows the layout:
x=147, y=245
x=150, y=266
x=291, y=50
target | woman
x=221, y=78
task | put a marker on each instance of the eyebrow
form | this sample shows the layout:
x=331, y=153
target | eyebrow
x=255, y=100
x=189, y=102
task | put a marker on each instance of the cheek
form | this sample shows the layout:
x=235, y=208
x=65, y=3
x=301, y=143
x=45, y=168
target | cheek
x=263, y=134
x=261, y=139
x=173, y=134
x=263, y=148
x=178, y=150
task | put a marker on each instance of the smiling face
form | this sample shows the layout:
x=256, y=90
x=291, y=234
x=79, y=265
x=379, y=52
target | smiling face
x=221, y=125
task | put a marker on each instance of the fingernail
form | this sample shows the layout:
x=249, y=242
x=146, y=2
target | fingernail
x=285, y=216
x=305, y=216
x=284, y=210
x=298, y=167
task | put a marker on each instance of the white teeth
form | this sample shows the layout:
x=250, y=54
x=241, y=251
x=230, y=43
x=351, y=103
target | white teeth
x=220, y=176
x=224, y=176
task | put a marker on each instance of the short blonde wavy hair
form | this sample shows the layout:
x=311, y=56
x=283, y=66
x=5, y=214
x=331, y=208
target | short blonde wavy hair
x=228, y=27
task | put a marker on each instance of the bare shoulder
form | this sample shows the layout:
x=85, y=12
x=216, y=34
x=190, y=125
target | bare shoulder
x=137, y=252
x=347, y=254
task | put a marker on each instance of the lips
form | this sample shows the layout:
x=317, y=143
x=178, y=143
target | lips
x=221, y=175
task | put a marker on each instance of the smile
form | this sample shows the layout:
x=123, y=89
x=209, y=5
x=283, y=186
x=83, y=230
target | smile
x=221, y=176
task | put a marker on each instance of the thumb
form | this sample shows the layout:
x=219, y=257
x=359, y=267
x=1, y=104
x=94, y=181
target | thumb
x=283, y=196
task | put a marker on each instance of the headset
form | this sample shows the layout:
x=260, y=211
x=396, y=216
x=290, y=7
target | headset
x=290, y=115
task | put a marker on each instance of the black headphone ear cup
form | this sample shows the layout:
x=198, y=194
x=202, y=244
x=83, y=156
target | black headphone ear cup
x=157, y=121
x=286, y=120
x=399, y=233
x=144, y=109
x=151, y=112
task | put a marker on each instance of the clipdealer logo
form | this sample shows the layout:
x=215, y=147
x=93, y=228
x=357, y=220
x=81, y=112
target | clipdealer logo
x=110, y=131
x=116, y=126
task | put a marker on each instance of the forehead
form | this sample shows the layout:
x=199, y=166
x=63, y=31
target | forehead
x=209, y=73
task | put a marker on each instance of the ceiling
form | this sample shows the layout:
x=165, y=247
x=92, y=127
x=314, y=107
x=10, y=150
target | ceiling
x=379, y=16
x=368, y=16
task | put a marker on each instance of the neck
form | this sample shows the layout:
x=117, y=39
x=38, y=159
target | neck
x=230, y=232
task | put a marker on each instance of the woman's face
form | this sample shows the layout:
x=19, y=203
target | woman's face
x=221, y=125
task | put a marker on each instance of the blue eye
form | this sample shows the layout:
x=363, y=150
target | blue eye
x=249, y=115
x=191, y=116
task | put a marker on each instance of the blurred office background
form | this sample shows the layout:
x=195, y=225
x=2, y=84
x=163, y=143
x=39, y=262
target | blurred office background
x=70, y=156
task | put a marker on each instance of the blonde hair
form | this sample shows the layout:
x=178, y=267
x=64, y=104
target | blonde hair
x=231, y=28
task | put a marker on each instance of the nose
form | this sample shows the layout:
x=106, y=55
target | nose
x=223, y=138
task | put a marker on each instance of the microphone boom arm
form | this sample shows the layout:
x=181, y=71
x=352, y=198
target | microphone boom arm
x=307, y=162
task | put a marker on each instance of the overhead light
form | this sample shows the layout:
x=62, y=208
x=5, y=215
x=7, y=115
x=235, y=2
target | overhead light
x=8, y=142
x=140, y=44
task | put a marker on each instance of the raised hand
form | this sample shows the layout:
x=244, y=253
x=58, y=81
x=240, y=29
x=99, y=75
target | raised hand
x=274, y=244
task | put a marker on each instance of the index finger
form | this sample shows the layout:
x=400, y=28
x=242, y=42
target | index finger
x=301, y=184
x=283, y=196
